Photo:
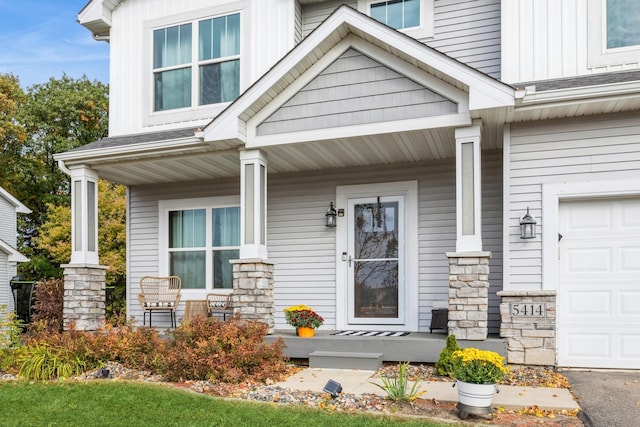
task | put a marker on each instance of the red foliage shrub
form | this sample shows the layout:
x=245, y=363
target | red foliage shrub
x=49, y=299
x=231, y=351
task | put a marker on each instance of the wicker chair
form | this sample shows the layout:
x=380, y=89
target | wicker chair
x=159, y=294
x=220, y=304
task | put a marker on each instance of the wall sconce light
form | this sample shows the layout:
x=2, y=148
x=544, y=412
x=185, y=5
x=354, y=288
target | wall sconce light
x=527, y=226
x=331, y=216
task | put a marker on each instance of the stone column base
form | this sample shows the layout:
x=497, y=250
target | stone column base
x=529, y=325
x=84, y=296
x=253, y=290
x=469, y=295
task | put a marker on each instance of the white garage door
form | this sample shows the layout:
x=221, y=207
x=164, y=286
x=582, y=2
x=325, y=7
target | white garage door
x=598, y=298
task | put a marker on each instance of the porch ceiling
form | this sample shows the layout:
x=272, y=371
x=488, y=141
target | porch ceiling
x=206, y=164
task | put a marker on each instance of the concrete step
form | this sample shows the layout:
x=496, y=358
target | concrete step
x=345, y=360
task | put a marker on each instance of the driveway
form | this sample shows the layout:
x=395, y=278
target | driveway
x=607, y=398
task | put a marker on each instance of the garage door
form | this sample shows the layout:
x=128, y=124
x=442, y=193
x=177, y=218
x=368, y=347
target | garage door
x=598, y=316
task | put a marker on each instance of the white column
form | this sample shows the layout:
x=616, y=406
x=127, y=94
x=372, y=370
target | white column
x=253, y=204
x=468, y=189
x=84, y=216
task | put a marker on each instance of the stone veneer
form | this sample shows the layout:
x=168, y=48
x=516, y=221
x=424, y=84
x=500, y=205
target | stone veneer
x=469, y=295
x=84, y=296
x=253, y=290
x=531, y=339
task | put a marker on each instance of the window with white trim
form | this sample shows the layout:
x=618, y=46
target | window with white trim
x=198, y=242
x=196, y=63
x=614, y=39
x=413, y=17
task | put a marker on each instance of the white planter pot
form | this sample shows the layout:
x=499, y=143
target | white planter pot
x=478, y=395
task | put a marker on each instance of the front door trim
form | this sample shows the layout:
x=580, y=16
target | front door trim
x=408, y=189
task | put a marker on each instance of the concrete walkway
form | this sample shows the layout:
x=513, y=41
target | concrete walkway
x=360, y=382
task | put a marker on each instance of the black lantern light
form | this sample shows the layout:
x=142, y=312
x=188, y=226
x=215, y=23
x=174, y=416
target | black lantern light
x=527, y=226
x=331, y=216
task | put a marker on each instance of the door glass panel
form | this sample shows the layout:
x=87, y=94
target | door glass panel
x=376, y=260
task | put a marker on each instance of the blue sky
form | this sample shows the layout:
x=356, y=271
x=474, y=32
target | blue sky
x=40, y=39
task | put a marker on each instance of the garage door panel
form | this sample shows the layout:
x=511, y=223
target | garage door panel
x=588, y=303
x=598, y=293
x=630, y=304
x=630, y=259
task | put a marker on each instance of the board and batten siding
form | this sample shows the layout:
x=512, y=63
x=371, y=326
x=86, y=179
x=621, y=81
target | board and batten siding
x=468, y=31
x=605, y=147
x=355, y=89
x=303, y=249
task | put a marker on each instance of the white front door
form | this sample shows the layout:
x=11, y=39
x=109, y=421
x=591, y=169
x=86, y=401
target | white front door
x=377, y=263
x=598, y=297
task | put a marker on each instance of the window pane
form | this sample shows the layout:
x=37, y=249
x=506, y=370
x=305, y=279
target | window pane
x=219, y=37
x=189, y=267
x=172, y=46
x=397, y=13
x=623, y=23
x=219, y=82
x=187, y=228
x=226, y=227
x=173, y=89
x=222, y=270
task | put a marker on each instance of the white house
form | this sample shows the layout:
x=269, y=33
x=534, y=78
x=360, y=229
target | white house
x=10, y=207
x=431, y=126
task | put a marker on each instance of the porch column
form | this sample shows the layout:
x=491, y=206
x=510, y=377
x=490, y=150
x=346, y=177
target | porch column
x=253, y=204
x=253, y=273
x=84, y=278
x=468, y=189
x=469, y=265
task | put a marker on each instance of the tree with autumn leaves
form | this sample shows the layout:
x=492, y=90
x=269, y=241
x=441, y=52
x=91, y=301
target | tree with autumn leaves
x=49, y=118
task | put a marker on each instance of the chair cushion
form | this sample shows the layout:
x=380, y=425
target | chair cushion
x=159, y=304
x=218, y=304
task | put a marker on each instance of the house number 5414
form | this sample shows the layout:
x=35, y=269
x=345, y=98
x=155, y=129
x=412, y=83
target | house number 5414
x=528, y=310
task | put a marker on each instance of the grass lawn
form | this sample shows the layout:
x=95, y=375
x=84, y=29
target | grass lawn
x=111, y=403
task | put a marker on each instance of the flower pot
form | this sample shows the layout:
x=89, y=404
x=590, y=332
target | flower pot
x=304, y=332
x=476, y=395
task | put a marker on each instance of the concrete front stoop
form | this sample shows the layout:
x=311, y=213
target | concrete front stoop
x=345, y=360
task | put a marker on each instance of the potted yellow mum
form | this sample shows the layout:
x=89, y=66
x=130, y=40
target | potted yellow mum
x=304, y=319
x=477, y=372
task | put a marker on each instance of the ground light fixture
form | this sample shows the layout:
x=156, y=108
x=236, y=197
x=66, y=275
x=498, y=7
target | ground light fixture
x=527, y=226
x=333, y=388
x=331, y=216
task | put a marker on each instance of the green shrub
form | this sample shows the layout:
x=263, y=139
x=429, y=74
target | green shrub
x=398, y=388
x=231, y=351
x=42, y=362
x=444, y=366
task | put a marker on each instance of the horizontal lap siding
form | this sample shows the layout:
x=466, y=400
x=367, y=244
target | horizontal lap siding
x=8, y=225
x=469, y=31
x=314, y=14
x=578, y=150
x=5, y=290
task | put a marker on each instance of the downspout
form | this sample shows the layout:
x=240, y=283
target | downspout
x=99, y=38
x=64, y=168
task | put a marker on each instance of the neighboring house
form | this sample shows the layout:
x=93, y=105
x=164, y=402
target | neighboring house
x=236, y=125
x=10, y=207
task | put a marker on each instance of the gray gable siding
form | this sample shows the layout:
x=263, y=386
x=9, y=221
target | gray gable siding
x=355, y=89
x=313, y=14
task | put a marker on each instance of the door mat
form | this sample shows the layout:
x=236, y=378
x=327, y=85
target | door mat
x=370, y=334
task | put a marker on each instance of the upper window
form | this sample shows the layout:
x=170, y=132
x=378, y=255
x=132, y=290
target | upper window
x=197, y=63
x=397, y=14
x=623, y=23
x=413, y=17
x=200, y=242
x=616, y=40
